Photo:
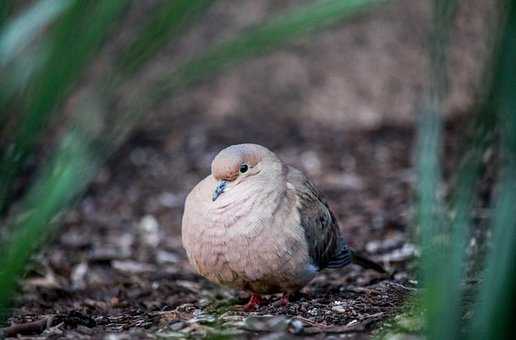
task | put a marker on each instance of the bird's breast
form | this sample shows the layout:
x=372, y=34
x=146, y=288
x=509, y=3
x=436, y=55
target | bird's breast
x=254, y=245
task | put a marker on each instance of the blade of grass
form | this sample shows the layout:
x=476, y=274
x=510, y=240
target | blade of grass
x=67, y=176
x=452, y=274
x=429, y=208
x=5, y=10
x=167, y=22
x=15, y=36
x=79, y=154
x=443, y=252
x=17, y=75
x=493, y=312
x=20, y=31
x=74, y=40
x=485, y=123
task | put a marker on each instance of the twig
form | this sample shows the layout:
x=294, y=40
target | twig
x=29, y=328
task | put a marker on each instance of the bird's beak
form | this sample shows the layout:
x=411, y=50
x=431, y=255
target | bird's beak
x=219, y=189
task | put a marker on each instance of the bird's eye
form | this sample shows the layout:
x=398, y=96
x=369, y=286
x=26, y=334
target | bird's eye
x=243, y=168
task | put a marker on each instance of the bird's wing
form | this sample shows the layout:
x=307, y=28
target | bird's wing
x=325, y=245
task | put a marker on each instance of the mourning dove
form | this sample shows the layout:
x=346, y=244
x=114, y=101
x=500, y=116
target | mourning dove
x=259, y=225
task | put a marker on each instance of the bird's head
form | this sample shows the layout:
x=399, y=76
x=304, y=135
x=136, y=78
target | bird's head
x=239, y=163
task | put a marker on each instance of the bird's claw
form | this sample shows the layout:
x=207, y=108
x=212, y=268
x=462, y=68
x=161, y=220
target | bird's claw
x=253, y=303
x=284, y=300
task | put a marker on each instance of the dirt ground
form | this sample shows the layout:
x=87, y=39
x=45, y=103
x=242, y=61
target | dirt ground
x=117, y=267
x=117, y=270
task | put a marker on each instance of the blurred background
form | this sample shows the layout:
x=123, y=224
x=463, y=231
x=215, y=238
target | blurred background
x=401, y=112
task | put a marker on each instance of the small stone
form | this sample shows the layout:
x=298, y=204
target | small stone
x=166, y=335
x=177, y=325
x=149, y=229
x=351, y=323
x=338, y=309
x=295, y=327
x=166, y=257
x=313, y=312
x=311, y=162
x=132, y=267
x=204, y=302
x=266, y=323
x=78, y=275
x=228, y=316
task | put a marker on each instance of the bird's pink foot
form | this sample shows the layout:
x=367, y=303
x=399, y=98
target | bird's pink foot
x=284, y=300
x=253, y=303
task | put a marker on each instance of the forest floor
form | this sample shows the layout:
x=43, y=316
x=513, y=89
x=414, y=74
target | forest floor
x=117, y=270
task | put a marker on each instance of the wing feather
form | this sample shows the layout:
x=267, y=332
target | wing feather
x=327, y=249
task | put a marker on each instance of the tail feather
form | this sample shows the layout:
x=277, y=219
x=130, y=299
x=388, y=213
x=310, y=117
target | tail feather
x=342, y=257
x=346, y=255
x=366, y=263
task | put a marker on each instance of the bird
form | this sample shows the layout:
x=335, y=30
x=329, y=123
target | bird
x=259, y=225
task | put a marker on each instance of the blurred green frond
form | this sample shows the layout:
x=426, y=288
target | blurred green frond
x=444, y=249
x=20, y=32
x=434, y=237
x=167, y=23
x=66, y=176
x=5, y=11
x=72, y=43
x=261, y=39
x=444, y=239
x=493, y=312
x=17, y=36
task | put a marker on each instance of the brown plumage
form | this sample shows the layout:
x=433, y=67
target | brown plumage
x=259, y=225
